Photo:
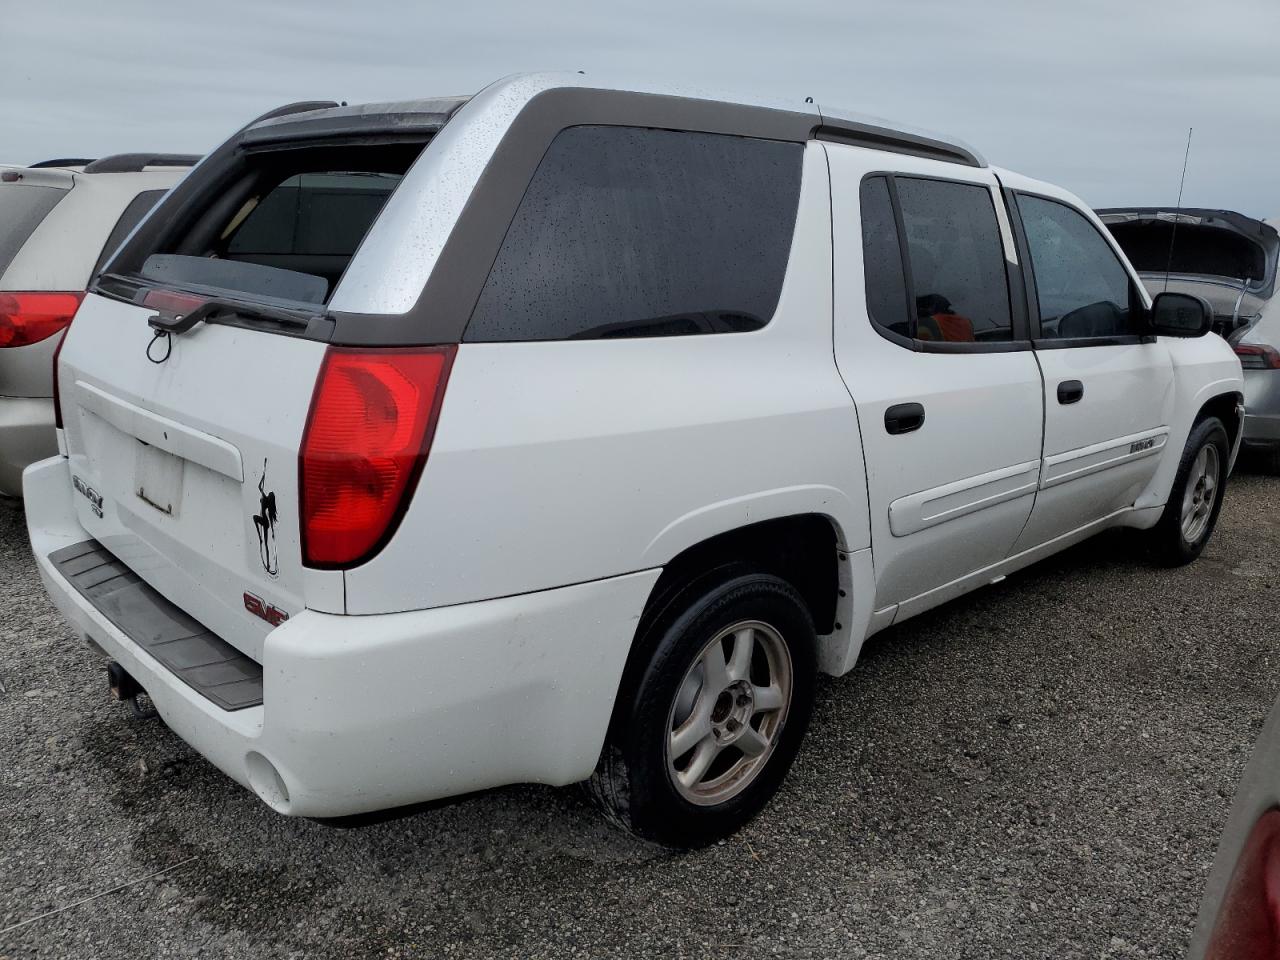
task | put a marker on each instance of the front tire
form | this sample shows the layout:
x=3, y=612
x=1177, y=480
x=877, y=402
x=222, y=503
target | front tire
x=712, y=718
x=1196, y=498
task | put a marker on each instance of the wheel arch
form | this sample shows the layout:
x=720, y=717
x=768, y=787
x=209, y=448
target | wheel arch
x=805, y=549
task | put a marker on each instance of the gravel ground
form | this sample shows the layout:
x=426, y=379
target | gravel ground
x=1038, y=770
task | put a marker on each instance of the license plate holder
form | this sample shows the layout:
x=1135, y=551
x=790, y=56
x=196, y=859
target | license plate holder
x=157, y=478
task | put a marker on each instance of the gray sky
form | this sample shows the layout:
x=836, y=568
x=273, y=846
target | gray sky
x=1095, y=95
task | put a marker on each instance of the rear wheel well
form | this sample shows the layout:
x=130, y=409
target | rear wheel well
x=803, y=550
x=799, y=549
x=1223, y=407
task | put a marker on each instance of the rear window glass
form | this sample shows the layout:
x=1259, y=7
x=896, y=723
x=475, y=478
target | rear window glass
x=284, y=226
x=22, y=208
x=313, y=215
x=629, y=232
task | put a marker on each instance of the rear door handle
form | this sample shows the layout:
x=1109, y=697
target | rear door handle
x=1070, y=391
x=904, y=417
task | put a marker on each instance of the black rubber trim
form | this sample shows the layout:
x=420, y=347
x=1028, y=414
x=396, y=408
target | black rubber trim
x=202, y=660
x=1054, y=343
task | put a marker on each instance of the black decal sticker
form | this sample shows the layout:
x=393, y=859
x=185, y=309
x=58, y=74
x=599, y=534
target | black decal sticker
x=265, y=522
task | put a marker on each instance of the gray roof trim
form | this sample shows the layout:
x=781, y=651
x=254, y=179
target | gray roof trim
x=137, y=162
x=876, y=134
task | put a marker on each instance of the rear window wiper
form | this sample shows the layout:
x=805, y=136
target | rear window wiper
x=214, y=308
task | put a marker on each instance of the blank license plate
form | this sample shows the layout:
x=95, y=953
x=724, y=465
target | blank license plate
x=157, y=478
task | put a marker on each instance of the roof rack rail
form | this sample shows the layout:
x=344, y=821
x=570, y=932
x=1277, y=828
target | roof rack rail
x=861, y=131
x=63, y=162
x=136, y=162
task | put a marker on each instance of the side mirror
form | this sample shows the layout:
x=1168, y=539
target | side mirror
x=1180, y=315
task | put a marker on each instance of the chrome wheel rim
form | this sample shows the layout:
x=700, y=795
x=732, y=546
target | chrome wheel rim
x=728, y=713
x=1200, y=493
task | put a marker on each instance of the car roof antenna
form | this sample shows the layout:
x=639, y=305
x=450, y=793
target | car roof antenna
x=1177, y=215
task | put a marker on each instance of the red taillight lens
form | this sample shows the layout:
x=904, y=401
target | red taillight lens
x=1248, y=924
x=1258, y=356
x=27, y=318
x=367, y=436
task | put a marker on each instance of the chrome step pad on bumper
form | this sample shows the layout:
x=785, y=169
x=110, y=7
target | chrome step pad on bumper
x=205, y=662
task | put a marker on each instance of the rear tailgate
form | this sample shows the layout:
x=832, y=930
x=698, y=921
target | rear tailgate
x=187, y=470
x=184, y=443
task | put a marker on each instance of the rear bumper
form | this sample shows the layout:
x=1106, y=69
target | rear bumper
x=366, y=713
x=1262, y=431
x=1262, y=408
x=26, y=435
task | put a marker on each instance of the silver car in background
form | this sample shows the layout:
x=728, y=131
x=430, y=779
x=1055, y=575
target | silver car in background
x=59, y=220
x=1230, y=260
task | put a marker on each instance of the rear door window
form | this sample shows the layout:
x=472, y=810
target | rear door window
x=1082, y=289
x=629, y=232
x=23, y=207
x=882, y=261
x=957, y=264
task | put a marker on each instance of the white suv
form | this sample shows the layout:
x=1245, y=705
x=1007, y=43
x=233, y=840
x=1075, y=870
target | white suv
x=59, y=220
x=567, y=432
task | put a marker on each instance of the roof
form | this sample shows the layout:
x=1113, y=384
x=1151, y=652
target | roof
x=824, y=121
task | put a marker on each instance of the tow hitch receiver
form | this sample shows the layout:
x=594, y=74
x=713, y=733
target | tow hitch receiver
x=125, y=688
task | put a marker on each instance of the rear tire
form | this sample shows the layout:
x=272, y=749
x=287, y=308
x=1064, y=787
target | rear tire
x=712, y=716
x=1196, y=497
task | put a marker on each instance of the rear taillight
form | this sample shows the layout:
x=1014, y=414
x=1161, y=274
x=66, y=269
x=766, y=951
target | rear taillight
x=367, y=436
x=1258, y=356
x=27, y=318
x=1248, y=923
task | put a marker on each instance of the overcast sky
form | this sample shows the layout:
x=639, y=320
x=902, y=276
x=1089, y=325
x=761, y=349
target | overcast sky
x=1095, y=95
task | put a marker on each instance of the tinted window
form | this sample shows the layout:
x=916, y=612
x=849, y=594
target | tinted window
x=882, y=260
x=22, y=208
x=960, y=290
x=1081, y=286
x=316, y=214
x=628, y=232
x=138, y=208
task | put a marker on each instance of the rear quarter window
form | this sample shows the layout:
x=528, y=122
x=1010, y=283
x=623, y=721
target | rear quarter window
x=22, y=208
x=631, y=232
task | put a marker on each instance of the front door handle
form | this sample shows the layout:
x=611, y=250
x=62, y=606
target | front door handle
x=1070, y=391
x=904, y=417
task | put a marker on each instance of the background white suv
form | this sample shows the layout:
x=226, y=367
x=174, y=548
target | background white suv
x=58, y=222
x=412, y=449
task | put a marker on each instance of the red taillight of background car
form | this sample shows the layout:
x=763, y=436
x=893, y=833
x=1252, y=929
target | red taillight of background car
x=367, y=436
x=1258, y=356
x=1248, y=926
x=27, y=318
